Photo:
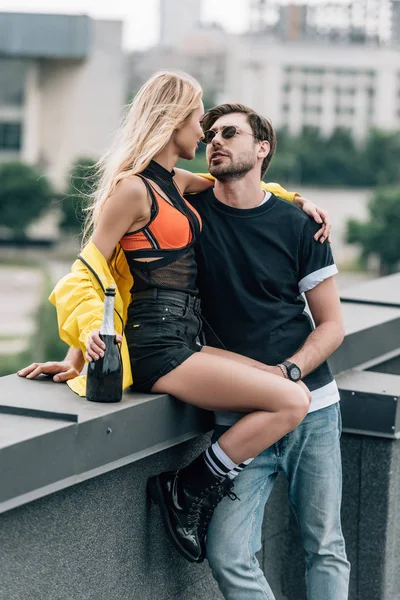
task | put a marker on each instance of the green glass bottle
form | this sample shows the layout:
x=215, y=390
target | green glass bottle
x=104, y=376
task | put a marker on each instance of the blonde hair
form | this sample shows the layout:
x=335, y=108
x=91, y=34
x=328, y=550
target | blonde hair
x=162, y=104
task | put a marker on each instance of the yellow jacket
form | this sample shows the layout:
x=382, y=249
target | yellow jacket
x=79, y=297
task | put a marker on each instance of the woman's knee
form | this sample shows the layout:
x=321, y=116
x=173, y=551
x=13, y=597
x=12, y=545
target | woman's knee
x=296, y=404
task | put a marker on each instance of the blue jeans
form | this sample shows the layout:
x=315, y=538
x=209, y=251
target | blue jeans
x=310, y=458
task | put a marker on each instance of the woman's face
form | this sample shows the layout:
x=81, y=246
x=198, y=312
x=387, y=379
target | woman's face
x=188, y=136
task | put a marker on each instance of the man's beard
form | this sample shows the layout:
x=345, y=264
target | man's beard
x=234, y=170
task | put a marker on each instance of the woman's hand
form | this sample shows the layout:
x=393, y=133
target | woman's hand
x=95, y=346
x=60, y=371
x=319, y=215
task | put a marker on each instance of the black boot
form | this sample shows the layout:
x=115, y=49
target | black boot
x=187, y=499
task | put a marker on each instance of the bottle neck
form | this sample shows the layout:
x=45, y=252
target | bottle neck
x=107, y=326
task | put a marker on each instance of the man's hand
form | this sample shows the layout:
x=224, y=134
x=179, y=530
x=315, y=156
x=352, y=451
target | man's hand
x=61, y=371
x=319, y=215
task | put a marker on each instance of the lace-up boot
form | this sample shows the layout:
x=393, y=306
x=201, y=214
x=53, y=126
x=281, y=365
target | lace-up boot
x=187, y=499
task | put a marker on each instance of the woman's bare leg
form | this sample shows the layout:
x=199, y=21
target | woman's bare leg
x=214, y=381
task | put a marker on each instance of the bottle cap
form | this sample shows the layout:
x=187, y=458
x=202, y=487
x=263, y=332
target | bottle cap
x=110, y=291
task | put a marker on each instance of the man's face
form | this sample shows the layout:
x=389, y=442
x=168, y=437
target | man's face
x=232, y=158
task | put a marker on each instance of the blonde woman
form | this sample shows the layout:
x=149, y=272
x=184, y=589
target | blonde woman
x=139, y=203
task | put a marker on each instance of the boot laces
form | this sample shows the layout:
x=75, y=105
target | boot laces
x=194, y=513
x=218, y=492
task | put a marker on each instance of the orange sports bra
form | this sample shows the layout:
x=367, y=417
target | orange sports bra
x=168, y=228
x=167, y=239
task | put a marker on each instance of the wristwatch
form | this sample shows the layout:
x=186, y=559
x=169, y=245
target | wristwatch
x=290, y=370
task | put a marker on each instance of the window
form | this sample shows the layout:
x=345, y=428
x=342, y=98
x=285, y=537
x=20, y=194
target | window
x=312, y=109
x=12, y=77
x=10, y=136
x=345, y=110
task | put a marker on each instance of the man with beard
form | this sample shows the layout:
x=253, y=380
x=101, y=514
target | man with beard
x=256, y=256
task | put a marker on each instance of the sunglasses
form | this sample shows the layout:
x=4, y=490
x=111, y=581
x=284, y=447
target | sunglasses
x=227, y=132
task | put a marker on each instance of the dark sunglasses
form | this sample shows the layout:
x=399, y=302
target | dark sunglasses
x=227, y=132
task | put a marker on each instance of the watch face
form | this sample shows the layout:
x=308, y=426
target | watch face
x=295, y=374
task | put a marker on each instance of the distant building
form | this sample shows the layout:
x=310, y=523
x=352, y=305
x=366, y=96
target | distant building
x=203, y=55
x=326, y=65
x=316, y=85
x=179, y=19
x=62, y=87
x=368, y=22
x=185, y=44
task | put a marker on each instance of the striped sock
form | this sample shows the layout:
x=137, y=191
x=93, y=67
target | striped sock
x=220, y=464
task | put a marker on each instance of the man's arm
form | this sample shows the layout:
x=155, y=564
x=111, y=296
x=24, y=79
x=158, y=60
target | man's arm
x=69, y=368
x=324, y=303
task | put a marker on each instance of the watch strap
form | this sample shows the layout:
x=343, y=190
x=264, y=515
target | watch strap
x=283, y=368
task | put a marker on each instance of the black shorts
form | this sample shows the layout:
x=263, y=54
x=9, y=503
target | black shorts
x=162, y=331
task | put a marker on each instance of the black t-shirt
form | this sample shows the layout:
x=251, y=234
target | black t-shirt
x=253, y=265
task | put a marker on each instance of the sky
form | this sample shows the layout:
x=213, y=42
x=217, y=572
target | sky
x=140, y=16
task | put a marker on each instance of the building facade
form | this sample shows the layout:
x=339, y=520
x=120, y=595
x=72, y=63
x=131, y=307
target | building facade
x=62, y=88
x=324, y=86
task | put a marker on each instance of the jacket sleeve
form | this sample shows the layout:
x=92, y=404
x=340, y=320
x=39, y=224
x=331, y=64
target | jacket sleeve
x=78, y=299
x=274, y=188
x=279, y=191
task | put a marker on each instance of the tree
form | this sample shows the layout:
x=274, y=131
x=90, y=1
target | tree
x=24, y=195
x=381, y=155
x=81, y=183
x=380, y=236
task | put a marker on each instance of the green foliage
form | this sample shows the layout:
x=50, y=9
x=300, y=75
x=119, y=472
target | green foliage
x=81, y=183
x=337, y=160
x=197, y=165
x=45, y=344
x=11, y=363
x=24, y=195
x=381, y=157
x=380, y=236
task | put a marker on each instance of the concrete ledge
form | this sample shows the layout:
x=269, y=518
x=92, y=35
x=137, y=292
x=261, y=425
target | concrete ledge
x=59, y=439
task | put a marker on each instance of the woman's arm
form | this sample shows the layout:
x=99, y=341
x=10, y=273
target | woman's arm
x=190, y=183
x=127, y=206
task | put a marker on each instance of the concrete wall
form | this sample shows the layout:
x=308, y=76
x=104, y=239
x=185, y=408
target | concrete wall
x=102, y=539
x=99, y=540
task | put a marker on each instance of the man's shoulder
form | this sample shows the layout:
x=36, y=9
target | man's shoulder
x=292, y=214
x=200, y=198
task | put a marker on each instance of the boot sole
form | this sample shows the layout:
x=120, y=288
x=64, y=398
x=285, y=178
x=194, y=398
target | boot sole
x=157, y=496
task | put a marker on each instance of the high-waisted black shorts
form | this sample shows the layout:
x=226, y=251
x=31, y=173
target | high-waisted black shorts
x=162, y=331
